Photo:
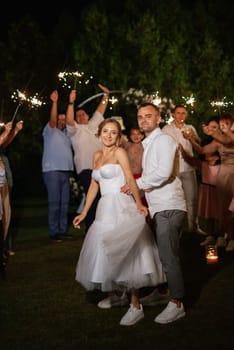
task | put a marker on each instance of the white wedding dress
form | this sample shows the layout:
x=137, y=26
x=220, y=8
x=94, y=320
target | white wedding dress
x=119, y=250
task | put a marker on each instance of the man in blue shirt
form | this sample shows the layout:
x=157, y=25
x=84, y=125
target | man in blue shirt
x=57, y=165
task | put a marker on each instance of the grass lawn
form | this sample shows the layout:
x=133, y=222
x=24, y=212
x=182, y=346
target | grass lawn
x=43, y=307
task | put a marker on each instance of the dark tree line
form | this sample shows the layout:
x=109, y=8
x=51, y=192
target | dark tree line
x=177, y=48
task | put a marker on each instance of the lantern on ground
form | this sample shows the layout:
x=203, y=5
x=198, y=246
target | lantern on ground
x=211, y=254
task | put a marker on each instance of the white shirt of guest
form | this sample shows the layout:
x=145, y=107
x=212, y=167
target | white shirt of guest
x=85, y=141
x=176, y=133
x=159, y=174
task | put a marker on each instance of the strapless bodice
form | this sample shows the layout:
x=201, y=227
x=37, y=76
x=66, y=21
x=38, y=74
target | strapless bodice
x=110, y=178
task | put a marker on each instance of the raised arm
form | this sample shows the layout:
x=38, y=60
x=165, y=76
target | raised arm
x=70, y=114
x=212, y=147
x=4, y=135
x=54, y=109
x=222, y=134
x=104, y=101
x=12, y=134
x=230, y=134
x=225, y=135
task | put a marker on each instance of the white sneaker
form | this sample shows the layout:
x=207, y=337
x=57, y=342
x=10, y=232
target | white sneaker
x=113, y=300
x=155, y=298
x=230, y=246
x=171, y=313
x=132, y=316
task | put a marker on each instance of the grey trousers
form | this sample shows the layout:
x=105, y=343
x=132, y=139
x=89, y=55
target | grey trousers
x=168, y=224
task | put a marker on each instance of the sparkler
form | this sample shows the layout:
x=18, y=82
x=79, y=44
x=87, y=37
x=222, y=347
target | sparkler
x=20, y=97
x=222, y=103
x=35, y=102
x=190, y=100
x=16, y=110
x=73, y=78
x=32, y=102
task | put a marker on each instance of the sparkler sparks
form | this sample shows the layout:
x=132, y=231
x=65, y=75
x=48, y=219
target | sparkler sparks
x=221, y=104
x=35, y=102
x=19, y=96
x=71, y=79
x=32, y=102
x=135, y=97
x=190, y=100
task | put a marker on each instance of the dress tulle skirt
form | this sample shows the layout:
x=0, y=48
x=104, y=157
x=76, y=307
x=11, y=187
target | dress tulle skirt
x=119, y=256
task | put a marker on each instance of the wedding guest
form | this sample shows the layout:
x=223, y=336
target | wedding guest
x=57, y=167
x=7, y=187
x=3, y=232
x=224, y=134
x=135, y=150
x=187, y=173
x=82, y=130
x=2, y=255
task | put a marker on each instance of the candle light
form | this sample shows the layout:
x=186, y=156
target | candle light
x=211, y=254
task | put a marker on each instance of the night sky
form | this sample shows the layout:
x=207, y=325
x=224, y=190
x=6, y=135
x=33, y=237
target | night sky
x=44, y=15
